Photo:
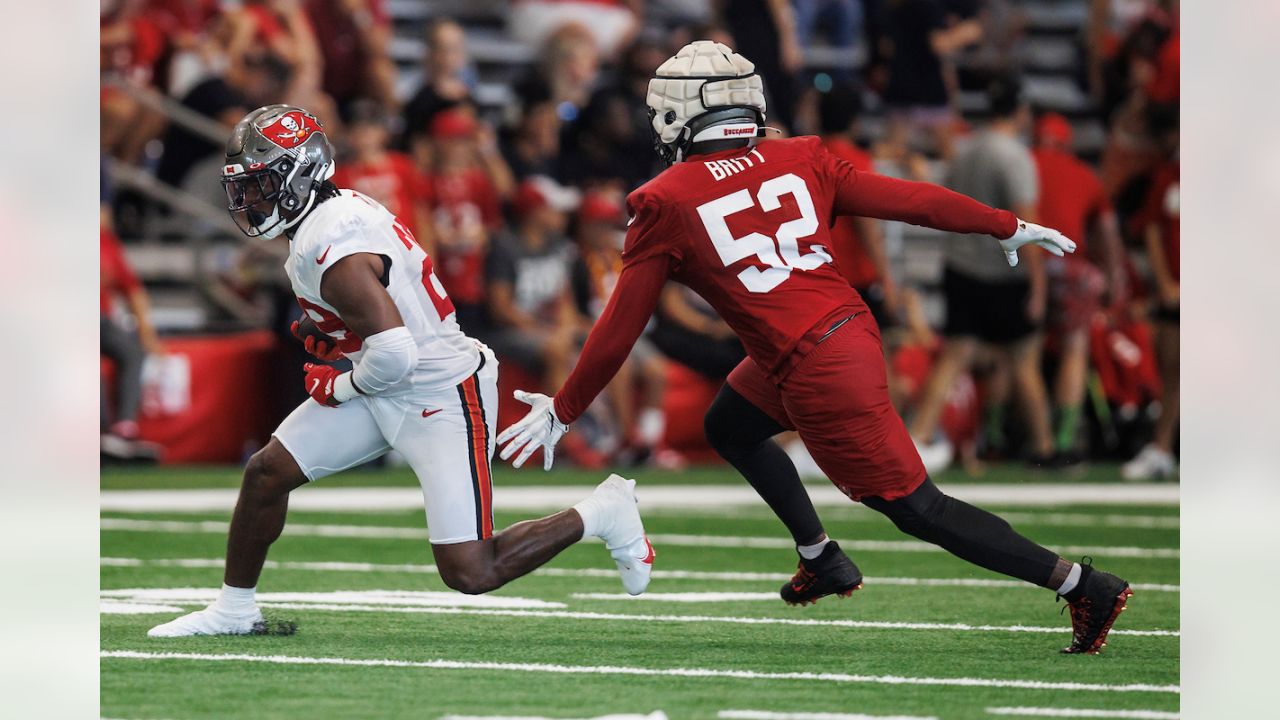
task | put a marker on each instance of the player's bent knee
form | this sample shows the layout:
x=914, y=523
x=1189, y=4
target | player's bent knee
x=469, y=581
x=271, y=472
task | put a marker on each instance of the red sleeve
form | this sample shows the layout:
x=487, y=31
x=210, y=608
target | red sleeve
x=118, y=275
x=871, y=195
x=633, y=301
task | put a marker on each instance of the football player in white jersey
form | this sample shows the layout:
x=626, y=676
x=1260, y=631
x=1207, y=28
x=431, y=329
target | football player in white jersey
x=418, y=385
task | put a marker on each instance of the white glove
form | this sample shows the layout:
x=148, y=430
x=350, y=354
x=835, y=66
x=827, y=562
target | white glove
x=539, y=429
x=1030, y=233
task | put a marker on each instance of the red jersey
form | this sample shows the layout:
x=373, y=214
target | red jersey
x=1071, y=195
x=747, y=229
x=852, y=259
x=465, y=205
x=394, y=181
x=1163, y=210
x=117, y=277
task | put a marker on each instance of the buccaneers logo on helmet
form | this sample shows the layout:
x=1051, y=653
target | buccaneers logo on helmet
x=291, y=129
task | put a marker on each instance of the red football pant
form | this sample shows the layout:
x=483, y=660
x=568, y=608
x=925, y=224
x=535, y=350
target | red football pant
x=837, y=398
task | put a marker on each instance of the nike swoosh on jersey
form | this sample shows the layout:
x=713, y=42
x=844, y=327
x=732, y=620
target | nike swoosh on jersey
x=323, y=255
x=429, y=413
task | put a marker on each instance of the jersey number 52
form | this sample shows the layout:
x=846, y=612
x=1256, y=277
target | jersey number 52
x=780, y=253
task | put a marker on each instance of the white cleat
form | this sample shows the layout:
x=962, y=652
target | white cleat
x=623, y=533
x=209, y=621
x=1151, y=463
x=936, y=456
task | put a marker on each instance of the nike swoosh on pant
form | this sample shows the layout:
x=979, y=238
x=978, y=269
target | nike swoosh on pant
x=429, y=413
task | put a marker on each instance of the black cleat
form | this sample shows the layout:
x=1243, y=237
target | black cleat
x=831, y=573
x=1093, y=612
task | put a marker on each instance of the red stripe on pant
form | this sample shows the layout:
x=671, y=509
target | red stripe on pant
x=480, y=452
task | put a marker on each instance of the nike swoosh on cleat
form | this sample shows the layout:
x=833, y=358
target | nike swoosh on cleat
x=648, y=559
x=429, y=413
x=323, y=255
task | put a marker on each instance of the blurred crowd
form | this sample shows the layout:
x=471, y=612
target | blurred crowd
x=521, y=203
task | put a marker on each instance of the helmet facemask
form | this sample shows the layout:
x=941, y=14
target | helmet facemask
x=253, y=200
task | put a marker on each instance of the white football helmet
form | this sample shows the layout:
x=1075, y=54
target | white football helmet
x=704, y=92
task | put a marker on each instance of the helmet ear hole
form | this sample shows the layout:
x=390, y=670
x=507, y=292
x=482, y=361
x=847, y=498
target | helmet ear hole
x=669, y=117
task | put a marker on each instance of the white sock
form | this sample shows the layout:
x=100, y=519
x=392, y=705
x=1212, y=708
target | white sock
x=1073, y=579
x=236, y=600
x=592, y=514
x=809, y=552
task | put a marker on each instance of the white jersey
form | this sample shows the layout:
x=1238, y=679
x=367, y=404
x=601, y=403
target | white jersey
x=353, y=223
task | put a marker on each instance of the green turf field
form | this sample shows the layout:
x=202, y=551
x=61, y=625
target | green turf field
x=379, y=635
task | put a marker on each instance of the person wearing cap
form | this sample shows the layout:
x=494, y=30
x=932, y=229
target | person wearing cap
x=601, y=231
x=989, y=306
x=532, y=318
x=466, y=211
x=1073, y=200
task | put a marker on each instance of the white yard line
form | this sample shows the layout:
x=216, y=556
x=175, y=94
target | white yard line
x=674, y=539
x=552, y=497
x=392, y=598
x=658, y=574
x=770, y=715
x=655, y=715
x=643, y=671
x=202, y=596
x=1082, y=713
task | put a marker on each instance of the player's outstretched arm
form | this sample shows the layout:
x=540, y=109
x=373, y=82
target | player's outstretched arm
x=633, y=301
x=353, y=286
x=928, y=205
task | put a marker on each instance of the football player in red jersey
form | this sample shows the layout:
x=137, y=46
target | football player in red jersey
x=745, y=225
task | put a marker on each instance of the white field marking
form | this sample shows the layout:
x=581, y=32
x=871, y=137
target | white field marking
x=770, y=715
x=652, y=497
x=653, y=672
x=675, y=539
x=1083, y=713
x=179, y=596
x=397, y=598
x=713, y=575
x=111, y=607
x=655, y=715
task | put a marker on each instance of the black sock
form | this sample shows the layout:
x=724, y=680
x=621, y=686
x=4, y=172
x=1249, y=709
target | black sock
x=743, y=435
x=968, y=532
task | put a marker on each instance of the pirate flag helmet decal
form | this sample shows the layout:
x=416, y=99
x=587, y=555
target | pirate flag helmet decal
x=276, y=160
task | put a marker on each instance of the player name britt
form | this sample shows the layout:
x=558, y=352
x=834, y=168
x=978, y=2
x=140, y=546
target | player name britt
x=721, y=169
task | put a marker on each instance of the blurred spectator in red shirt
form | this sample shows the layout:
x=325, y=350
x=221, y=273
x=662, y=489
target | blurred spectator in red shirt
x=355, y=39
x=857, y=243
x=447, y=81
x=466, y=210
x=600, y=234
x=127, y=348
x=1161, y=223
x=387, y=176
x=1073, y=200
